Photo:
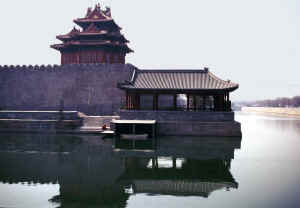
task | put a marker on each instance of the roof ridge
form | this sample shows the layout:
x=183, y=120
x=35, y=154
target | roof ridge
x=228, y=81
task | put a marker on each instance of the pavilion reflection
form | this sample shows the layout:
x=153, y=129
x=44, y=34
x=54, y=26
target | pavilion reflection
x=93, y=173
x=181, y=166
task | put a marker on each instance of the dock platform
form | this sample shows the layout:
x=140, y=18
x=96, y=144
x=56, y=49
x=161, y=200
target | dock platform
x=136, y=131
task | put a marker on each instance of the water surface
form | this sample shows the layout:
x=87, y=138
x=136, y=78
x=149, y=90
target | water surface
x=260, y=170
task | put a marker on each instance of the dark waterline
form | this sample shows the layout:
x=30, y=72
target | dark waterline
x=261, y=170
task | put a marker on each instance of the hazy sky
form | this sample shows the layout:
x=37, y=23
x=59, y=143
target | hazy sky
x=255, y=43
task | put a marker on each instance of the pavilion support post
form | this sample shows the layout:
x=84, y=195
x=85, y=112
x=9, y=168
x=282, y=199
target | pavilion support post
x=220, y=104
x=153, y=104
x=188, y=102
x=228, y=102
x=136, y=101
x=224, y=102
x=194, y=102
x=204, y=103
x=175, y=102
x=155, y=101
x=215, y=103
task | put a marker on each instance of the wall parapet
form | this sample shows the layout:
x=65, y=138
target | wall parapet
x=82, y=67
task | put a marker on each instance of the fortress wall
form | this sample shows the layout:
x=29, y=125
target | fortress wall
x=89, y=88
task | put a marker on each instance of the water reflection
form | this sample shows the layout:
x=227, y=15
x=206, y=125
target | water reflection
x=90, y=172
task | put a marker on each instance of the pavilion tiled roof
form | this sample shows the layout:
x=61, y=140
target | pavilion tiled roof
x=177, y=80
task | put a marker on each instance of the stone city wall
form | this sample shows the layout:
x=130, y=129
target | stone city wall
x=89, y=88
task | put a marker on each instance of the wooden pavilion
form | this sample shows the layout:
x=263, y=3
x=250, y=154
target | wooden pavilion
x=177, y=90
x=183, y=102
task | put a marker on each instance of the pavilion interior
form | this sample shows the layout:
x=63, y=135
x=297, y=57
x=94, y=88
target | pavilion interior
x=178, y=102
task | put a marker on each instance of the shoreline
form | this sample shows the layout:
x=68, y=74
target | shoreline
x=274, y=111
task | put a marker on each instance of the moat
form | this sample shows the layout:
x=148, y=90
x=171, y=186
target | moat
x=260, y=170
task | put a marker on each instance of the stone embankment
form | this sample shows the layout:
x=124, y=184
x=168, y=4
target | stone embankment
x=71, y=122
x=277, y=111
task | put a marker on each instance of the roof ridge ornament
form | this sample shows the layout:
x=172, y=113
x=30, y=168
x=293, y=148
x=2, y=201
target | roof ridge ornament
x=107, y=11
x=206, y=69
x=74, y=31
x=89, y=11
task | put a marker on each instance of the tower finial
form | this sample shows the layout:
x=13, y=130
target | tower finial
x=97, y=7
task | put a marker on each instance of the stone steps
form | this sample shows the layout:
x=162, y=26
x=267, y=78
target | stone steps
x=98, y=121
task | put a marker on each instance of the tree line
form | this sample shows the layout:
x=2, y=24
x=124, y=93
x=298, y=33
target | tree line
x=278, y=102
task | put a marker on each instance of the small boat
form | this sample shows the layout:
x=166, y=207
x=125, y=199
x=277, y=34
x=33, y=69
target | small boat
x=134, y=136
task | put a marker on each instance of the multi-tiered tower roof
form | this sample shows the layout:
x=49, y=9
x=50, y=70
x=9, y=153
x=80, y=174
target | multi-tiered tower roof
x=99, y=40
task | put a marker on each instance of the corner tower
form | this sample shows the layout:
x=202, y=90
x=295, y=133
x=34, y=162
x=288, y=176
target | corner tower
x=98, y=41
